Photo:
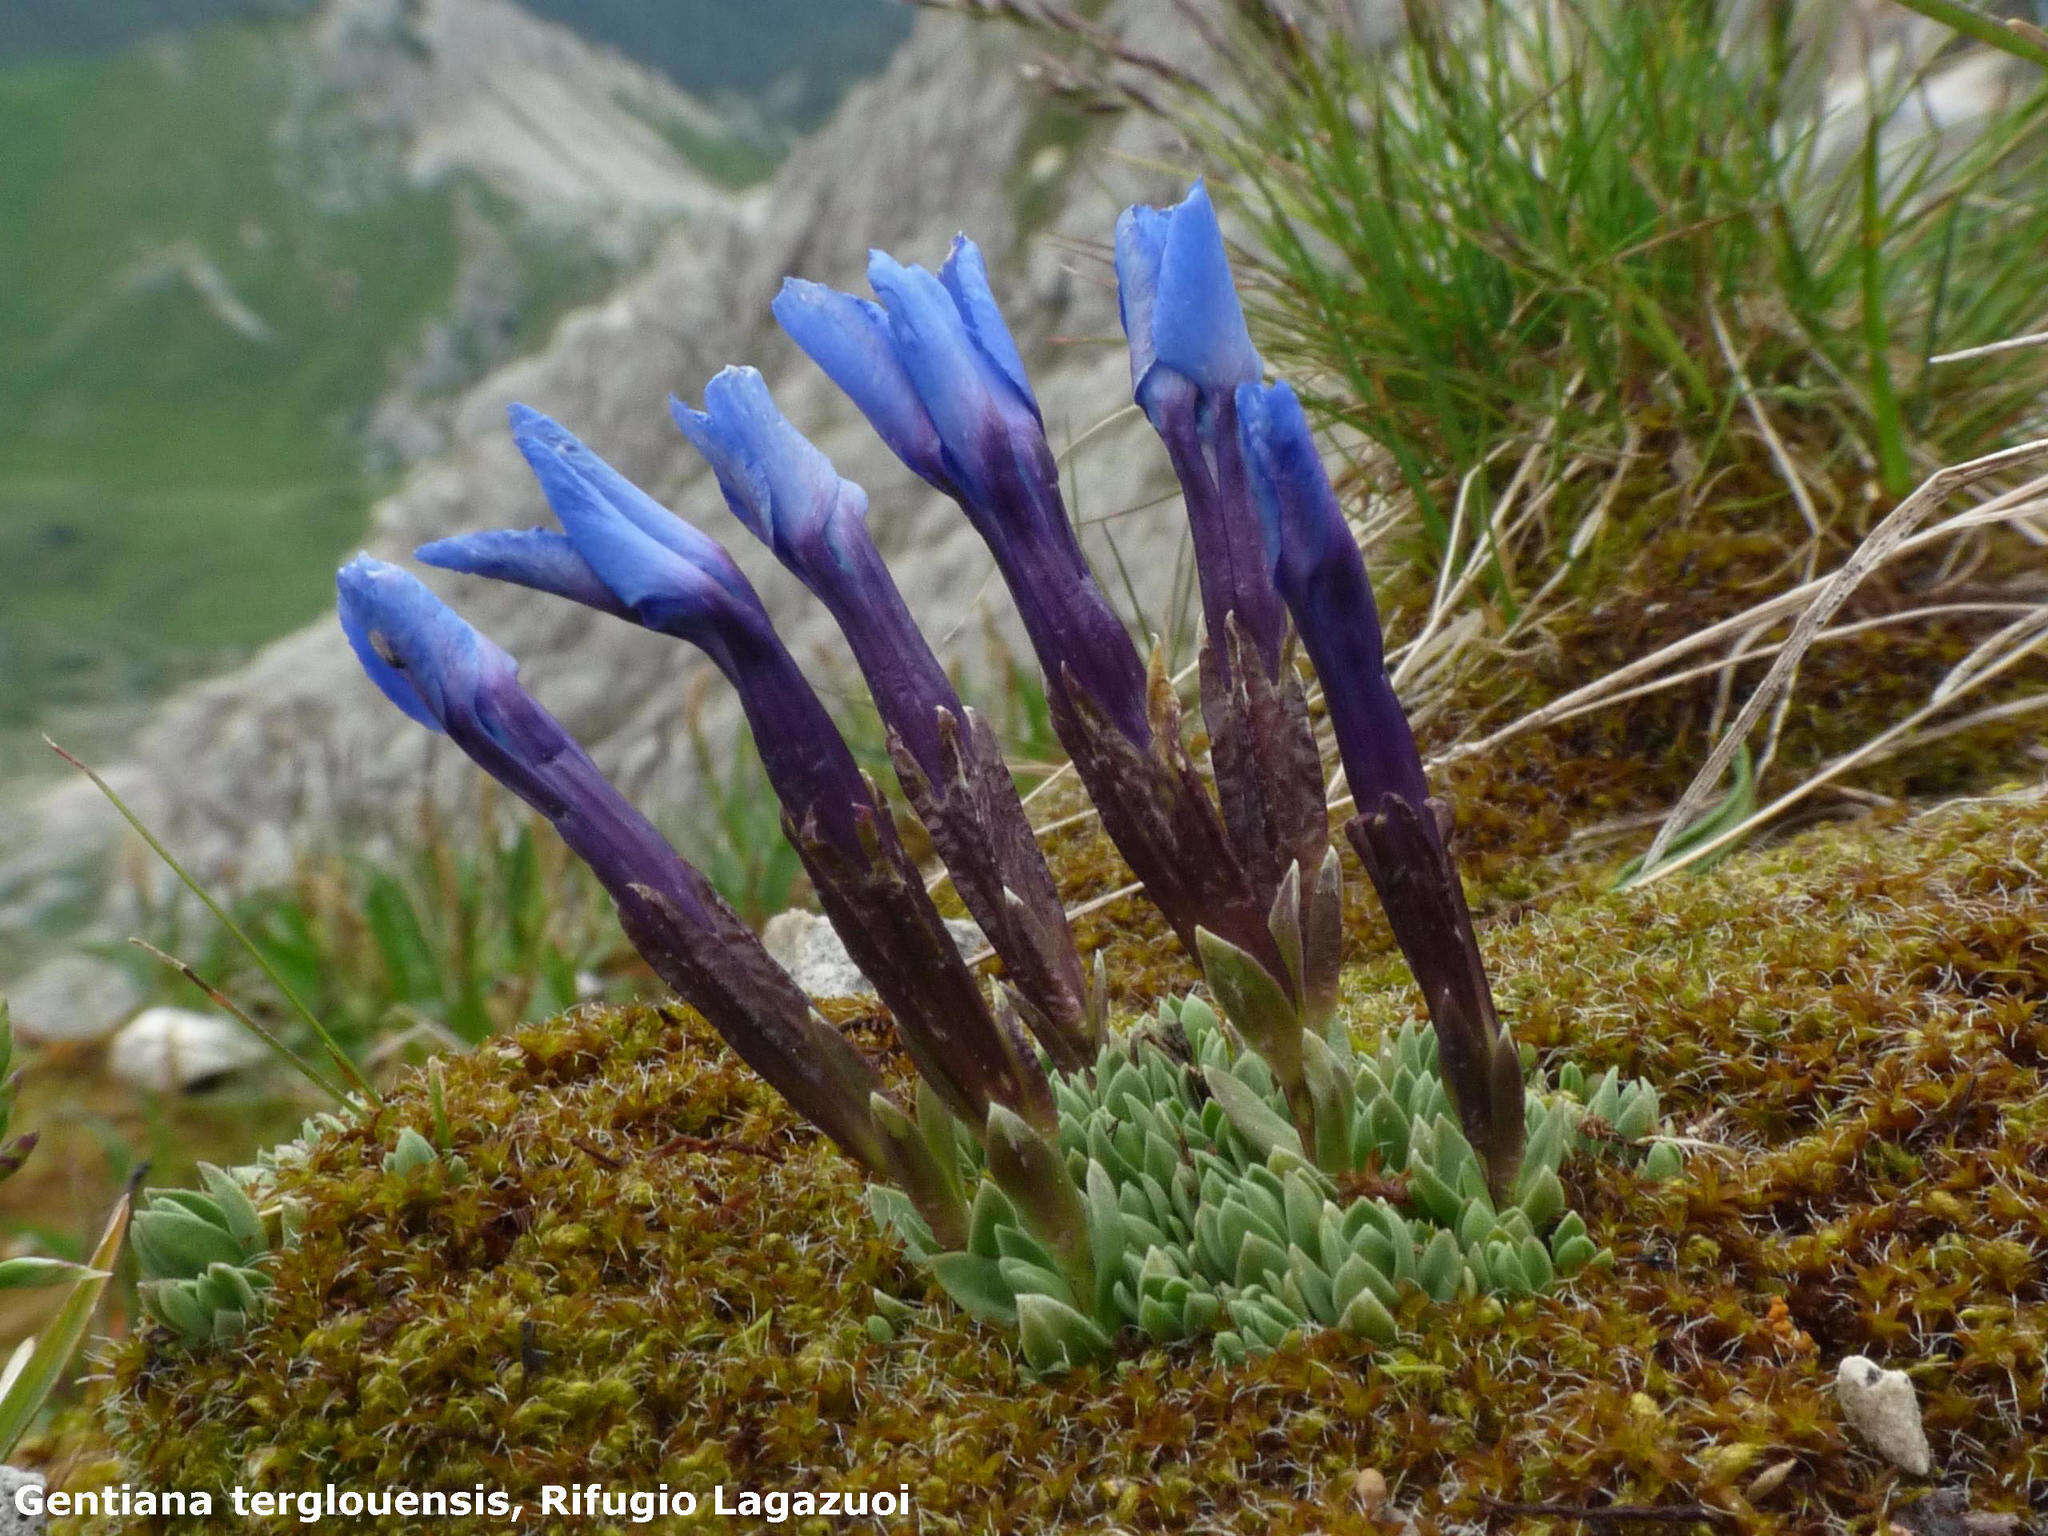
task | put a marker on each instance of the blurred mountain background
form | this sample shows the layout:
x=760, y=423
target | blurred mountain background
x=254, y=251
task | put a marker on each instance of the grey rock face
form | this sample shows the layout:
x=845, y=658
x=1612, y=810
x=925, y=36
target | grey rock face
x=72, y=997
x=297, y=747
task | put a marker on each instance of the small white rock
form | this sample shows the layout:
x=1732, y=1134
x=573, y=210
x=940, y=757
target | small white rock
x=1881, y=1406
x=809, y=950
x=12, y=1521
x=166, y=1050
x=73, y=997
x=788, y=934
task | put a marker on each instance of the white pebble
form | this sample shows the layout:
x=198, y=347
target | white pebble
x=1881, y=1406
x=166, y=1050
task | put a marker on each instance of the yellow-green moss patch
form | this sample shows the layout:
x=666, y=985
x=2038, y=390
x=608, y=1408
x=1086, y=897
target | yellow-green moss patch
x=655, y=1276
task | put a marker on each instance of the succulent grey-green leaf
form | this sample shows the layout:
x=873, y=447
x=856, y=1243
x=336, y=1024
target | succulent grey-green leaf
x=1438, y=1269
x=976, y=1284
x=1264, y=1129
x=1367, y=1318
x=1056, y=1337
x=1543, y=1201
x=182, y=1243
x=1257, y=1257
x=1662, y=1163
x=413, y=1153
x=244, y=1222
x=1196, y=1213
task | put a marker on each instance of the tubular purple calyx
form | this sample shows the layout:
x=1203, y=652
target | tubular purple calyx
x=447, y=676
x=784, y=490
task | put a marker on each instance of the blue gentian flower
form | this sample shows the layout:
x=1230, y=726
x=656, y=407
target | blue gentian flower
x=789, y=495
x=677, y=580
x=1190, y=353
x=448, y=677
x=935, y=370
x=1397, y=832
x=1319, y=571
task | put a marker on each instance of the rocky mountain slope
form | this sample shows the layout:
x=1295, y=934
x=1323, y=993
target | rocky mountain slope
x=252, y=266
x=577, y=133
x=238, y=772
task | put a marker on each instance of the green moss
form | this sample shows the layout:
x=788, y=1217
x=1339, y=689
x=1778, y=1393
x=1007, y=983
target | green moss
x=656, y=1275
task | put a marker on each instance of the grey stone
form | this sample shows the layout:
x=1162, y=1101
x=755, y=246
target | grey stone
x=809, y=950
x=72, y=997
x=12, y=1521
x=171, y=1050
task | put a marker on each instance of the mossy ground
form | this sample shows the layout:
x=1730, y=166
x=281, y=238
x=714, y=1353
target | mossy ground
x=656, y=1275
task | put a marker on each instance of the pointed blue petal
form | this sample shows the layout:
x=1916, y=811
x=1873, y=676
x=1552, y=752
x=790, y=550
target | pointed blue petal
x=595, y=501
x=548, y=446
x=973, y=403
x=852, y=341
x=1140, y=247
x=1198, y=325
x=777, y=482
x=539, y=558
x=965, y=276
x=655, y=582
x=745, y=487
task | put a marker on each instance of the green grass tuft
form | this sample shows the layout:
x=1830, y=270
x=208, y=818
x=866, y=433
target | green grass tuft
x=1563, y=230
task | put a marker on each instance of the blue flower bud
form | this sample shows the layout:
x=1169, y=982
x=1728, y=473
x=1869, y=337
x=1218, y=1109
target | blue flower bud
x=440, y=671
x=787, y=492
x=1179, y=306
x=675, y=579
x=774, y=479
x=935, y=370
x=1190, y=353
x=447, y=676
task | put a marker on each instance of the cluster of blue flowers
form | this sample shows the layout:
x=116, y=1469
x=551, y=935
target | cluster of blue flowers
x=1246, y=879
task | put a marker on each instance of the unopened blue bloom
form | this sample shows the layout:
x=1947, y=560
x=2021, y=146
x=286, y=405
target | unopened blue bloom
x=774, y=479
x=1319, y=571
x=673, y=578
x=1180, y=308
x=444, y=674
x=1190, y=353
x=680, y=581
x=448, y=677
x=787, y=492
x=935, y=370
